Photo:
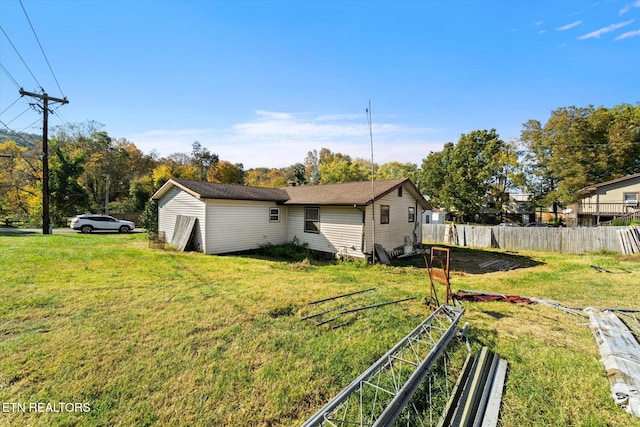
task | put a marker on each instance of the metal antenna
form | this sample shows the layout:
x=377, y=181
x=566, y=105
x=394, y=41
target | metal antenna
x=373, y=194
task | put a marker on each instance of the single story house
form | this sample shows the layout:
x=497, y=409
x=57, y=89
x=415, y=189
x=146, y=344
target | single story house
x=606, y=201
x=345, y=219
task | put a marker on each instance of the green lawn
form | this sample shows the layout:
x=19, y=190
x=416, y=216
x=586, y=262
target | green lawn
x=151, y=337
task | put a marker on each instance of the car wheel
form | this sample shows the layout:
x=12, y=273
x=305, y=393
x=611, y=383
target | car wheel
x=124, y=229
x=86, y=229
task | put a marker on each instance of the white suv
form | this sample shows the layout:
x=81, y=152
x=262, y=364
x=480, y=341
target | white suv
x=89, y=222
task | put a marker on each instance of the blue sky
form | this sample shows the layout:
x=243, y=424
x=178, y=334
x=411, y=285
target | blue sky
x=263, y=82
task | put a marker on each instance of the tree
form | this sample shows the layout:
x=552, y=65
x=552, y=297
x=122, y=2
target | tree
x=578, y=147
x=226, y=172
x=67, y=196
x=296, y=173
x=312, y=171
x=461, y=176
x=392, y=170
x=17, y=182
x=203, y=159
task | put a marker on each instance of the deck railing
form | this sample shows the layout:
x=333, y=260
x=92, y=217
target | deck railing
x=586, y=208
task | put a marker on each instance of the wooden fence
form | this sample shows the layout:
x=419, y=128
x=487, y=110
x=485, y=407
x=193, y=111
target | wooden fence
x=567, y=240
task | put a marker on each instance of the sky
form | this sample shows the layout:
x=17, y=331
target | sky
x=263, y=82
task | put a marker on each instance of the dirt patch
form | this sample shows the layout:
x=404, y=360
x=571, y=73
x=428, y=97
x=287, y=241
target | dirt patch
x=471, y=261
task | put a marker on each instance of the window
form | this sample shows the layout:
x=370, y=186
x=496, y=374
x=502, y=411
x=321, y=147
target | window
x=631, y=199
x=384, y=214
x=399, y=191
x=412, y=214
x=312, y=220
x=274, y=214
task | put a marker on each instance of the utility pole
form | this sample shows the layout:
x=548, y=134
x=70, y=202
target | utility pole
x=106, y=196
x=46, y=223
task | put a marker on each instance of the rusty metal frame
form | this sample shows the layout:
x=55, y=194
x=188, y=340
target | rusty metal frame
x=439, y=265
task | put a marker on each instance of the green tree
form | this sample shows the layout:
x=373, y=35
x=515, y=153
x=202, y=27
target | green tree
x=226, y=172
x=392, y=170
x=578, y=147
x=203, y=159
x=296, y=173
x=461, y=176
x=67, y=196
x=312, y=168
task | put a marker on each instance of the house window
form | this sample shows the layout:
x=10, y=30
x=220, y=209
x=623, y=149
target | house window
x=312, y=220
x=412, y=214
x=399, y=191
x=274, y=214
x=631, y=199
x=384, y=214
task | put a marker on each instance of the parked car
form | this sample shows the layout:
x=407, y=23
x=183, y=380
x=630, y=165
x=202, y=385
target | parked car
x=86, y=223
x=509, y=224
x=538, y=224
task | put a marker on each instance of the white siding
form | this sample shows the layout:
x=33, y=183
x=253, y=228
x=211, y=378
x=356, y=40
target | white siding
x=392, y=235
x=340, y=230
x=239, y=225
x=177, y=202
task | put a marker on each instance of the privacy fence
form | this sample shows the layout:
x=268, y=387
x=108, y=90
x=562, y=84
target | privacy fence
x=567, y=240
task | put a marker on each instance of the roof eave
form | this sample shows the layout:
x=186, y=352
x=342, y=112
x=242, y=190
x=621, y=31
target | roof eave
x=167, y=186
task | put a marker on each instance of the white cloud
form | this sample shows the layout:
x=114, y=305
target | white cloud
x=278, y=139
x=569, y=26
x=627, y=35
x=596, y=34
x=627, y=7
x=274, y=115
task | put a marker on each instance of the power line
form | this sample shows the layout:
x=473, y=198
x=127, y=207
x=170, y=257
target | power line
x=28, y=126
x=41, y=49
x=22, y=59
x=15, y=118
x=10, y=76
x=30, y=144
x=12, y=104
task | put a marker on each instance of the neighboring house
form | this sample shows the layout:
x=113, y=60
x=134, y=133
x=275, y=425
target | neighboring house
x=433, y=216
x=520, y=207
x=517, y=207
x=336, y=218
x=606, y=201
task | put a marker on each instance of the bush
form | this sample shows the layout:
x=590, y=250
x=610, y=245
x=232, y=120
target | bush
x=149, y=218
x=292, y=251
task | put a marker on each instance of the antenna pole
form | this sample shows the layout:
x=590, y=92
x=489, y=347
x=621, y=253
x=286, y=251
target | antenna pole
x=373, y=194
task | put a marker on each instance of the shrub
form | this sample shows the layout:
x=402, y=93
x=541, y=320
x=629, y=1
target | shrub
x=292, y=251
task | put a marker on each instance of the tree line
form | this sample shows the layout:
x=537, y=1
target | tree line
x=89, y=171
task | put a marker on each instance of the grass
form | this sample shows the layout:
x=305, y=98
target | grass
x=151, y=337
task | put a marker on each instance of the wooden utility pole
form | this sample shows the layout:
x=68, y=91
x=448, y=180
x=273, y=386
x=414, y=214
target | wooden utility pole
x=46, y=223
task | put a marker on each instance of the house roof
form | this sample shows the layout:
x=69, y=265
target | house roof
x=345, y=194
x=593, y=188
x=211, y=190
x=348, y=193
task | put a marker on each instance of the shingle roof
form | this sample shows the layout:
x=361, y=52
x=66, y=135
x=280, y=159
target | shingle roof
x=345, y=194
x=211, y=190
